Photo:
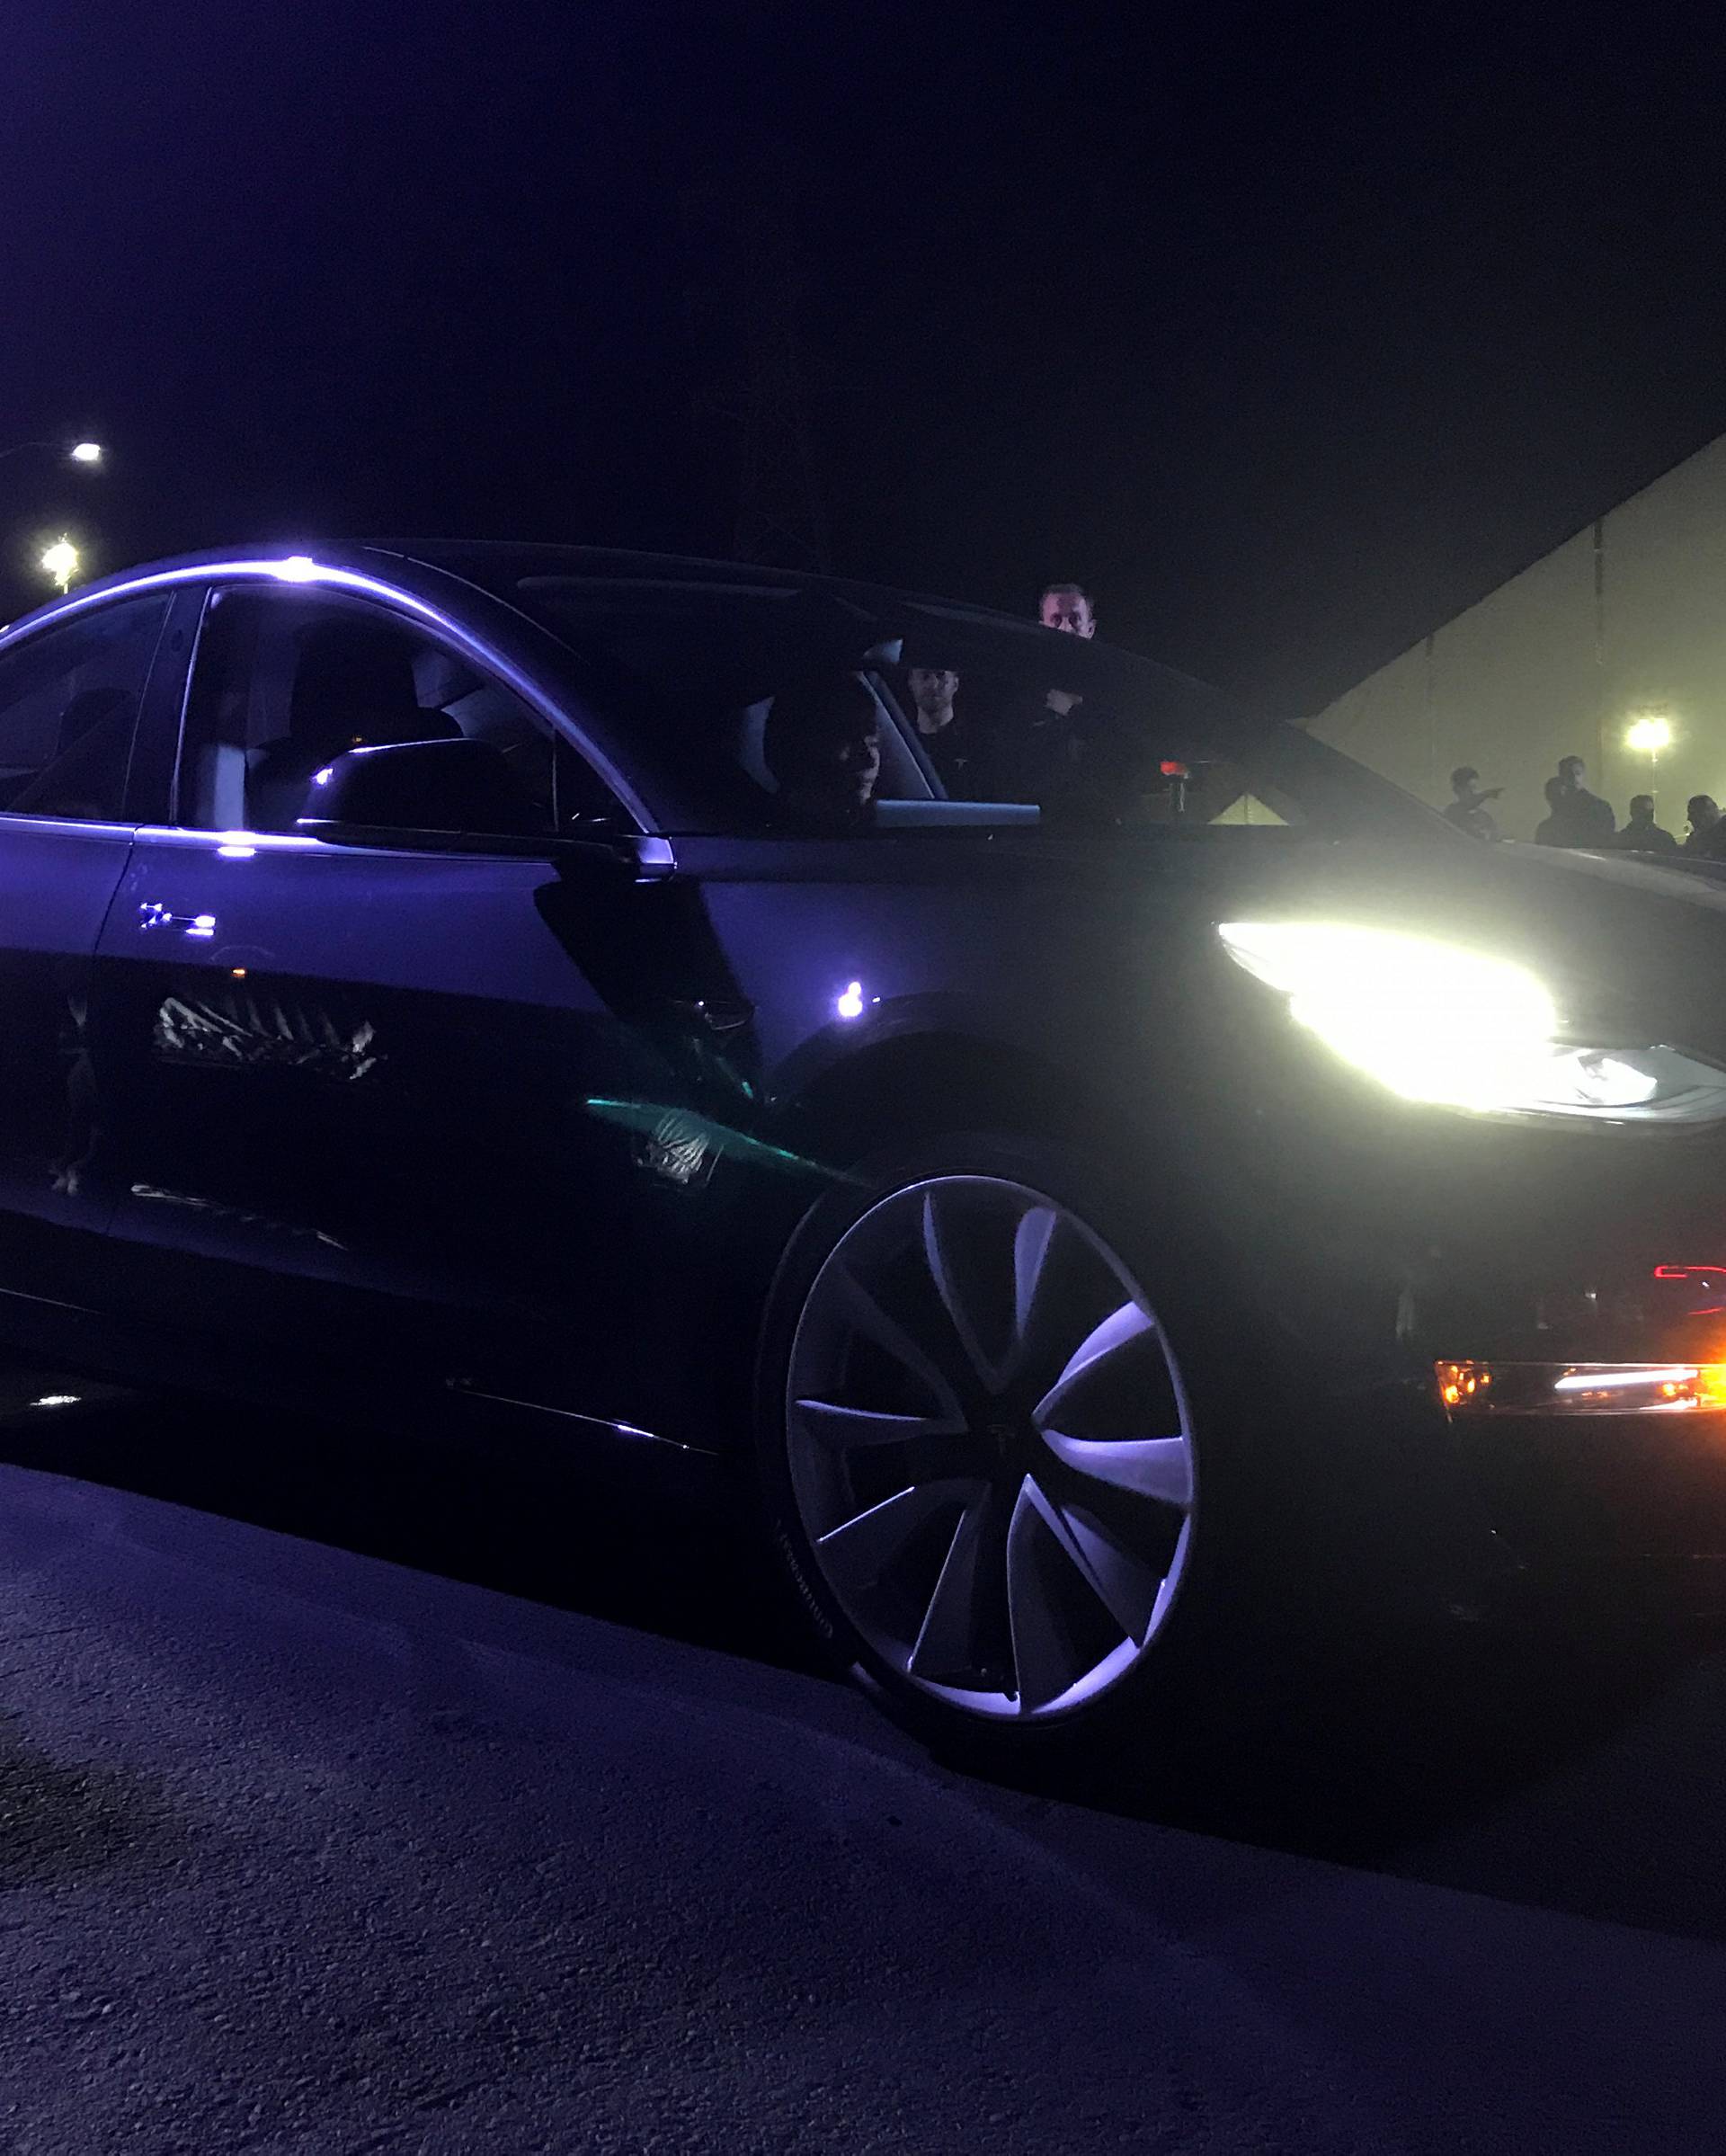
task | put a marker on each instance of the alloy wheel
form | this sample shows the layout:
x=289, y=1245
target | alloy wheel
x=990, y=1447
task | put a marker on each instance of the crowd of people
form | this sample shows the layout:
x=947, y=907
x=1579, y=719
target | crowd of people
x=1577, y=817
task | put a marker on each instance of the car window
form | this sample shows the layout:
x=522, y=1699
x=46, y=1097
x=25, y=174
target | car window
x=69, y=701
x=284, y=683
x=1033, y=732
x=775, y=709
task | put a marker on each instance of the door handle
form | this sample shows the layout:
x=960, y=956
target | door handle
x=153, y=914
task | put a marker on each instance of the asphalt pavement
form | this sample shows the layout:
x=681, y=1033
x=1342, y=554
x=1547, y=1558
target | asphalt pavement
x=356, y=1796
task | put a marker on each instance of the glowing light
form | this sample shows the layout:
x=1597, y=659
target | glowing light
x=1430, y=1020
x=238, y=972
x=1550, y=1389
x=237, y=853
x=298, y=568
x=1460, y=1028
x=848, y=1003
x=57, y=1400
x=1648, y=735
x=1605, y=1381
x=324, y=777
x=61, y=561
x=85, y=452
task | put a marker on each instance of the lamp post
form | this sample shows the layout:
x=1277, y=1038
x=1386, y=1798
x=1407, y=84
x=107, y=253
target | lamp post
x=1648, y=735
x=61, y=561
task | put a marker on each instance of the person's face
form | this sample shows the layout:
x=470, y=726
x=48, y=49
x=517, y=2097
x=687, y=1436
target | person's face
x=932, y=690
x=1705, y=813
x=1570, y=773
x=1642, y=810
x=1068, y=610
x=857, y=756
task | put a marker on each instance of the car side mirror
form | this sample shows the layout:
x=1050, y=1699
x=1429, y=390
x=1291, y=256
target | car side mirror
x=437, y=793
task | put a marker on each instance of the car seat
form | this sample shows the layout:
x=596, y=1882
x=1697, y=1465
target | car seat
x=354, y=687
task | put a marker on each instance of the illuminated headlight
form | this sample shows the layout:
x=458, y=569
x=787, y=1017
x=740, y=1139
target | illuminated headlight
x=1458, y=1028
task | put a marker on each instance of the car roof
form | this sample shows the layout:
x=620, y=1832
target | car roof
x=481, y=561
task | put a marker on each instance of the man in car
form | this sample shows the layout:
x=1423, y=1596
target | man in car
x=822, y=743
x=947, y=740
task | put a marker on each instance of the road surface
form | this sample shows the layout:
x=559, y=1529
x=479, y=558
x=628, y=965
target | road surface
x=358, y=1799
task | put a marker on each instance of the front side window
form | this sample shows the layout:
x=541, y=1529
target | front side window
x=284, y=683
x=69, y=701
x=804, y=711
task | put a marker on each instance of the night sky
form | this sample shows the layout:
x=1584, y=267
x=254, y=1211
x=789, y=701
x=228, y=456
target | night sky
x=1291, y=337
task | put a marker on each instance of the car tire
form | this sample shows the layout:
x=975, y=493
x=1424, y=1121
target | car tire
x=1017, y=1470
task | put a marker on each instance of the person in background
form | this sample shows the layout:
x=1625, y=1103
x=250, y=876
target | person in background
x=1705, y=836
x=1050, y=738
x=822, y=744
x=1468, y=811
x=1550, y=830
x=1583, y=818
x=1641, y=833
x=1068, y=608
x=946, y=740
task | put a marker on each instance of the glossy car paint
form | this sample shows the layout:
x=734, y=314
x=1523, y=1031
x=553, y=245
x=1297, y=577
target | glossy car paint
x=418, y=1125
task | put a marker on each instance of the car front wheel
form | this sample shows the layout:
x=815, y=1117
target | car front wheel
x=982, y=1457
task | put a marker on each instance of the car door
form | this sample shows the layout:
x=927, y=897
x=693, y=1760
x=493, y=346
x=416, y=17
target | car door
x=71, y=694
x=356, y=1124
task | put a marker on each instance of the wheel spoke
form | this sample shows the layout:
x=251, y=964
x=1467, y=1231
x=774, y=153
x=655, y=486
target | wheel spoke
x=949, y=1644
x=1156, y=1468
x=844, y=1427
x=1043, y=1658
x=1120, y=1329
x=868, y=1318
x=944, y=1250
x=1126, y=1586
x=855, y=1556
x=1031, y=1270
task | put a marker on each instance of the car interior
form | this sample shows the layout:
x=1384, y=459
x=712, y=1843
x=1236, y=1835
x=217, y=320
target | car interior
x=285, y=685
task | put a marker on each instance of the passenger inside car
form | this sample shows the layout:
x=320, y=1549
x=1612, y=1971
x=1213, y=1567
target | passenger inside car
x=822, y=746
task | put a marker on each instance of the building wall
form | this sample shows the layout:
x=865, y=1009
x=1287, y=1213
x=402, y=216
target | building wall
x=1628, y=616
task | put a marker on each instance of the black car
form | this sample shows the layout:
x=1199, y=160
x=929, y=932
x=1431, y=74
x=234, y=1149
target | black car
x=1093, y=1166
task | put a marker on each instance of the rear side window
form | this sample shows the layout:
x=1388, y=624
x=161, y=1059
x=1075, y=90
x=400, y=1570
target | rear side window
x=69, y=701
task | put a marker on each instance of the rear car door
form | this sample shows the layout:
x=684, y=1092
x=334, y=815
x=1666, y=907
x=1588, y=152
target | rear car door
x=72, y=692
x=356, y=1126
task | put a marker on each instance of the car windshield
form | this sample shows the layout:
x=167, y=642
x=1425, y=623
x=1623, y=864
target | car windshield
x=771, y=707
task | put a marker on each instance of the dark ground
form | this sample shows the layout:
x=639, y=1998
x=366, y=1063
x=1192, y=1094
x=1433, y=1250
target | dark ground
x=517, y=1830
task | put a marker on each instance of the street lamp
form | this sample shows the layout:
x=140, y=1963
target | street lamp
x=61, y=561
x=75, y=452
x=1648, y=735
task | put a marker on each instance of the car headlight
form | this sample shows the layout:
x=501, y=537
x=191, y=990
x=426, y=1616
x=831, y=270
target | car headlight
x=1458, y=1028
